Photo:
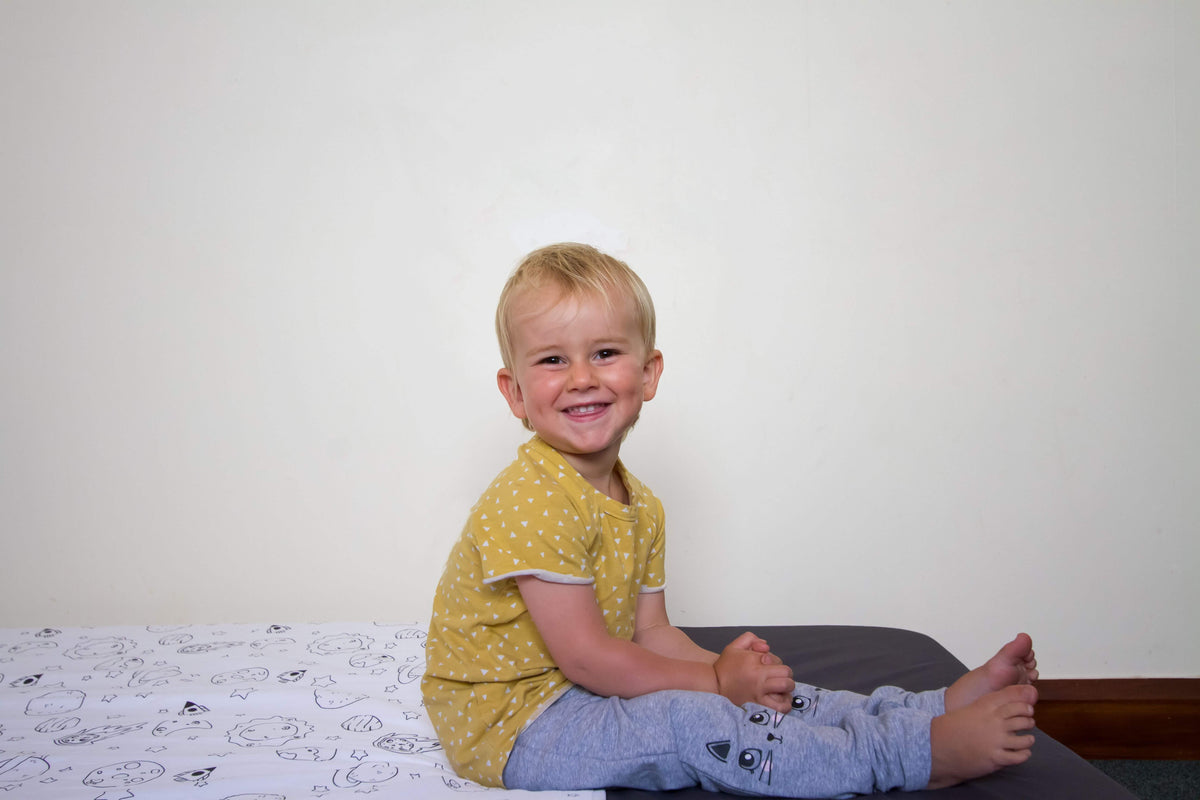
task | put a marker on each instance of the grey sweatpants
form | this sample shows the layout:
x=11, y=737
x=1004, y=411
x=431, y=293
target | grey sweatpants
x=832, y=744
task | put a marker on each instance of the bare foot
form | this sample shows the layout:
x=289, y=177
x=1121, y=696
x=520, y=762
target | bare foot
x=990, y=733
x=1015, y=664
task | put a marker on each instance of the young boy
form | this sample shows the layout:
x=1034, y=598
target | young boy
x=551, y=663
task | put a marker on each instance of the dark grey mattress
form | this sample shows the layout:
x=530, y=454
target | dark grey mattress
x=861, y=659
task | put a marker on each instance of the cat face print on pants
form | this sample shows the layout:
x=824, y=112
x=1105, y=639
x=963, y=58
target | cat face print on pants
x=756, y=757
x=761, y=738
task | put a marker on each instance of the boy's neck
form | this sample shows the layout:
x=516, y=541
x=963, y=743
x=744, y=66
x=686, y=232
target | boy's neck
x=602, y=473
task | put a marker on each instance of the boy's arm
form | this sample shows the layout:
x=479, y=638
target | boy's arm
x=571, y=624
x=654, y=631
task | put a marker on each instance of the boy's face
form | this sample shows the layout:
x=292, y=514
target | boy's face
x=580, y=373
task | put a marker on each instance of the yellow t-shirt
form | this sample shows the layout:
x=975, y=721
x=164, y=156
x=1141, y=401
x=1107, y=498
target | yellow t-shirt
x=488, y=672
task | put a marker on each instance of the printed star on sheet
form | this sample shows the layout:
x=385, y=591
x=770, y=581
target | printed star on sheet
x=320, y=791
x=243, y=693
x=158, y=749
x=108, y=698
x=359, y=755
x=325, y=681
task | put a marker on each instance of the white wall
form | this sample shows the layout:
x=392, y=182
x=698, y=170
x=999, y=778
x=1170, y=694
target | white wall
x=926, y=273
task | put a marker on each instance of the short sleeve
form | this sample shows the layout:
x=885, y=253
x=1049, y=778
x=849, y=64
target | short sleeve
x=523, y=529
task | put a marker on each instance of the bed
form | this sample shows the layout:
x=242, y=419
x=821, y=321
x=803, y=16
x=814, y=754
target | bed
x=289, y=711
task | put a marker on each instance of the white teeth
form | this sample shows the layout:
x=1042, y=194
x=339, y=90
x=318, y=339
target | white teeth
x=584, y=409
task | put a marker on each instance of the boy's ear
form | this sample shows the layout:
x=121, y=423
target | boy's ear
x=511, y=391
x=651, y=372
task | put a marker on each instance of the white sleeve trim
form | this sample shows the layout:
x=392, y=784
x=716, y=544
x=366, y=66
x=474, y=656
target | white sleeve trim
x=541, y=574
x=652, y=589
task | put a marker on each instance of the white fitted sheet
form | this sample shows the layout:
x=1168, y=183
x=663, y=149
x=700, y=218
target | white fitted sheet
x=276, y=712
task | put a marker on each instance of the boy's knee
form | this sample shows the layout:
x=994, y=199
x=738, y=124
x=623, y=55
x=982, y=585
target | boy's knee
x=698, y=710
x=729, y=748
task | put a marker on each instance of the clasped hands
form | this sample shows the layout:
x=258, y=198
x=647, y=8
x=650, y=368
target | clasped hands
x=748, y=672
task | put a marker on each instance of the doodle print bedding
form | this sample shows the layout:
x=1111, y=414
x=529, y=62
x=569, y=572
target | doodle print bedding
x=245, y=712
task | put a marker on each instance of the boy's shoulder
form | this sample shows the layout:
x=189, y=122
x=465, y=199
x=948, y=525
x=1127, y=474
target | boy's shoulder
x=636, y=488
x=538, y=473
x=539, y=465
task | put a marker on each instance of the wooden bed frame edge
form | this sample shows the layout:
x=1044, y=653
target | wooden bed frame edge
x=1124, y=718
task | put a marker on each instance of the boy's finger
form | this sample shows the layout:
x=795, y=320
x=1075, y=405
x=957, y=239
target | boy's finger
x=749, y=641
x=743, y=642
x=779, y=671
x=781, y=703
x=779, y=685
x=777, y=702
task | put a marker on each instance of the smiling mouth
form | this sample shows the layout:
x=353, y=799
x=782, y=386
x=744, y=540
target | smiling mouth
x=583, y=411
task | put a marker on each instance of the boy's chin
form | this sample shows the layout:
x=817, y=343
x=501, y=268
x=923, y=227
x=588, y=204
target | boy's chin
x=583, y=447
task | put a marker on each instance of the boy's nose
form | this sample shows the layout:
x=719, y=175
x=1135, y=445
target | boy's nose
x=581, y=375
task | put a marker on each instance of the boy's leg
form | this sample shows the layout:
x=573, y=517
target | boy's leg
x=669, y=740
x=825, y=707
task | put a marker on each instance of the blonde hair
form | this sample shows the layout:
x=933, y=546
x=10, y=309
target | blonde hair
x=577, y=270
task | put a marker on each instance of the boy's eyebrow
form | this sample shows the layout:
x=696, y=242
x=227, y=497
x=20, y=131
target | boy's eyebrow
x=620, y=341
